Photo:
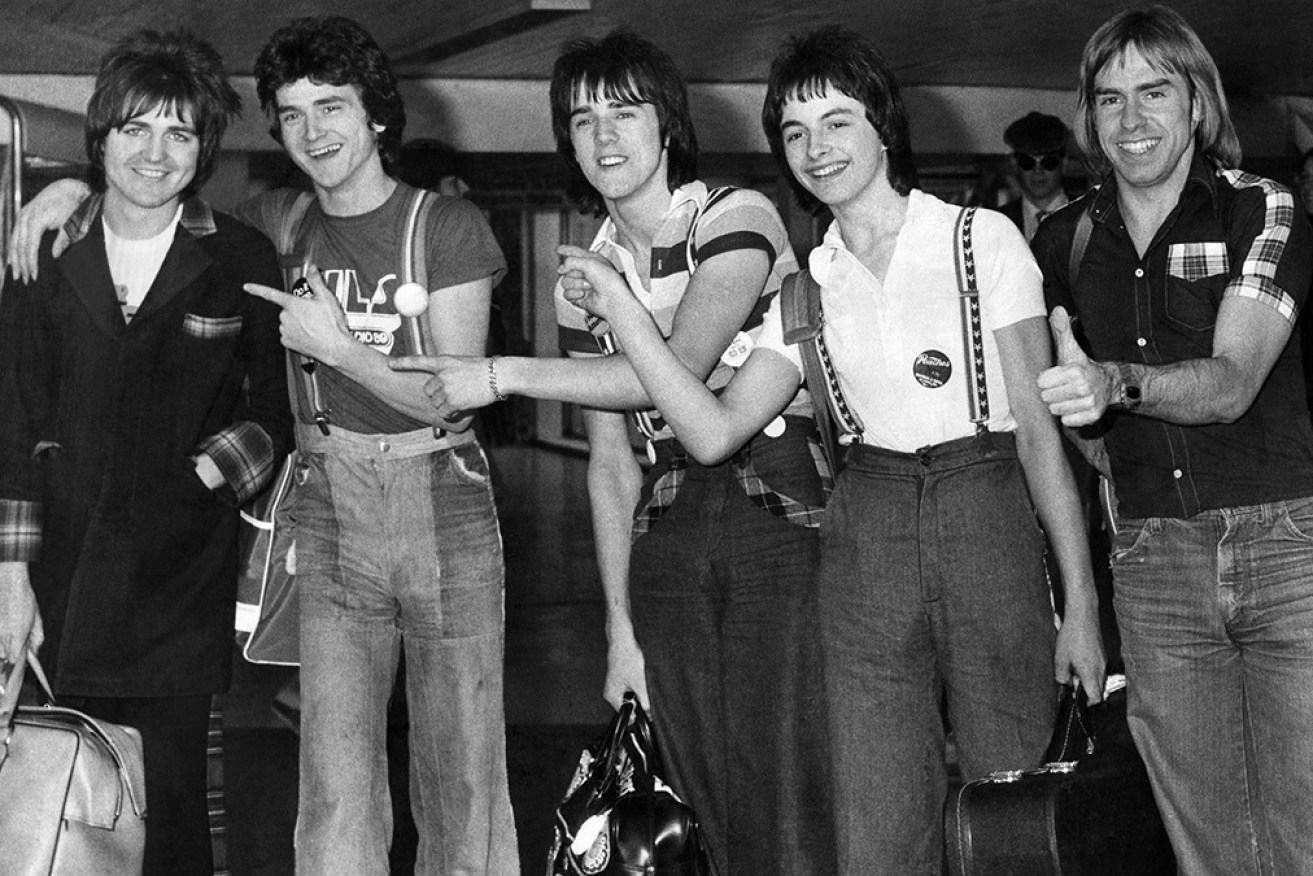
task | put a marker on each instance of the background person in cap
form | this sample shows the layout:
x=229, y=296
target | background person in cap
x=1039, y=146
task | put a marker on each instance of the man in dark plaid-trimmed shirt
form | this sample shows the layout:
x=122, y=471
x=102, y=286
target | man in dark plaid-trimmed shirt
x=1189, y=286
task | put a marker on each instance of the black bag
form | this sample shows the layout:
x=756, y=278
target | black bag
x=618, y=816
x=1088, y=810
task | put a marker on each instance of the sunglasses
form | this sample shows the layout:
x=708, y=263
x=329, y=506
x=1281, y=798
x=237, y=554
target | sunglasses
x=1049, y=161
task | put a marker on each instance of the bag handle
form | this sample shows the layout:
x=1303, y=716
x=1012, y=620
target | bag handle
x=14, y=684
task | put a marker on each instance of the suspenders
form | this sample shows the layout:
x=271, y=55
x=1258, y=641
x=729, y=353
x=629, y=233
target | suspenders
x=414, y=269
x=804, y=323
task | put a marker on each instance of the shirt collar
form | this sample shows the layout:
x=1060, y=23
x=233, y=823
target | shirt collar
x=1200, y=182
x=197, y=217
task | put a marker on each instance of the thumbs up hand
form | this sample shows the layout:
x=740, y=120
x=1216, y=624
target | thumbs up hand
x=1077, y=389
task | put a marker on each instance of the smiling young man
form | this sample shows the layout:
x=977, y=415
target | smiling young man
x=1191, y=280
x=145, y=398
x=396, y=532
x=709, y=571
x=932, y=585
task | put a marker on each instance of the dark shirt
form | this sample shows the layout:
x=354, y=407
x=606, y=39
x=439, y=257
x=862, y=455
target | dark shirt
x=1231, y=233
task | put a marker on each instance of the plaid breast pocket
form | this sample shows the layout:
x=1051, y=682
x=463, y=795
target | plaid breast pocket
x=211, y=328
x=1195, y=261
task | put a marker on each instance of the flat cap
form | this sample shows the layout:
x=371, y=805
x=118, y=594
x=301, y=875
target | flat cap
x=1036, y=133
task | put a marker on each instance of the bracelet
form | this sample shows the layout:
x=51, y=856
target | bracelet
x=492, y=379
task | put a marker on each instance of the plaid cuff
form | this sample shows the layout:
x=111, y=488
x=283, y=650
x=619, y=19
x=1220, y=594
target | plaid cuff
x=20, y=531
x=244, y=454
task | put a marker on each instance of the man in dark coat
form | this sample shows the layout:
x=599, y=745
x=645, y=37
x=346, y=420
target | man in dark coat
x=145, y=398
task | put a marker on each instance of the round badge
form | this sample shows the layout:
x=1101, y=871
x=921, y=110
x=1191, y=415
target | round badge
x=932, y=369
x=737, y=351
x=775, y=428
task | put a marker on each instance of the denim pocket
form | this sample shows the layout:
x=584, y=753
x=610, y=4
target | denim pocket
x=211, y=328
x=1132, y=540
x=1296, y=521
x=468, y=465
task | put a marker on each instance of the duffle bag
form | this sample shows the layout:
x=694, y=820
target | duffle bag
x=619, y=816
x=72, y=789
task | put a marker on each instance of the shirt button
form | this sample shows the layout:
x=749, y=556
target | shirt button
x=1139, y=272
x=1176, y=473
x=1140, y=342
x=384, y=446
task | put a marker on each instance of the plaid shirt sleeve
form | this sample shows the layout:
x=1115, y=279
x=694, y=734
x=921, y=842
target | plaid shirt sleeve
x=1274, y=267
x=20, y=531
x=244, y=453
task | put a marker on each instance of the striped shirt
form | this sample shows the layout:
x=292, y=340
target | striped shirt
x=723, y=220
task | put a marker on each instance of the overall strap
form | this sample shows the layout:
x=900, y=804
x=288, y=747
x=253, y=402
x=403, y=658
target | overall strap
x=973, y=334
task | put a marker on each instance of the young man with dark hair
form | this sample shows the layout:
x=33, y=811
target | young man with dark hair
x=932, y=586
x=396, y=532
x=145, y=399
x=1188, y=287
x=709, y=571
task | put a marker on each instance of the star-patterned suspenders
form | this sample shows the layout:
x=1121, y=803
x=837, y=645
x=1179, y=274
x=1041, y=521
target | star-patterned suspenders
x=974, y=340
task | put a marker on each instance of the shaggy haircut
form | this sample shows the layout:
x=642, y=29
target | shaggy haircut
x=627, y=68
x=1170, y=45
x=836, y=58
x=333, y=50
x=175, y=71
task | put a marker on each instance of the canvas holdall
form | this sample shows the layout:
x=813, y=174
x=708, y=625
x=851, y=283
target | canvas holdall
x=72, y=789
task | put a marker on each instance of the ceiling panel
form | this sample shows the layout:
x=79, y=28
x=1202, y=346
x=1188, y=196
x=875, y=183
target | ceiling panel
x=1262, y=46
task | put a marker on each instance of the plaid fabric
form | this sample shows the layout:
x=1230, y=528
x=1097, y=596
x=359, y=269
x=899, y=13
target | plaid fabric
x=664, y=490
x=197, y=217
x=666, y=487
x=1257, y=277
x=211, y=328
x=1196, y=260
x=20, y=531
x=779, y=504
x=244, y=454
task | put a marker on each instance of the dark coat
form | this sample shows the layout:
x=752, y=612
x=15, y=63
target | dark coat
x=136, y=577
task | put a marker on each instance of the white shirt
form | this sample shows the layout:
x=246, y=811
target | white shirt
x=899, y=346
x=133, y=264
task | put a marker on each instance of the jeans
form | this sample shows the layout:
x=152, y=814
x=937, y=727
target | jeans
x=1216, y=616
x=723, y=597
x=397, y=537
x=932, y=591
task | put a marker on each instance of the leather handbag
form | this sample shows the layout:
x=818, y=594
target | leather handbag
x=268, y=605
x=619, y=816
x=72, y=790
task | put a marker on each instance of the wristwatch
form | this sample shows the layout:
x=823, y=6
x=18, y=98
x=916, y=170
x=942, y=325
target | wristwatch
x=1128, y=399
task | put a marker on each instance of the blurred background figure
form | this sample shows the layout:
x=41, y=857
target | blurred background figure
x=1039, y=149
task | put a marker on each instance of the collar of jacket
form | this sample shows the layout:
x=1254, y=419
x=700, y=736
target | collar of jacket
x=197, y=217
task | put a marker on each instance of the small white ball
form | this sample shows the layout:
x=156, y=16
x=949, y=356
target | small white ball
x=410, y=299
